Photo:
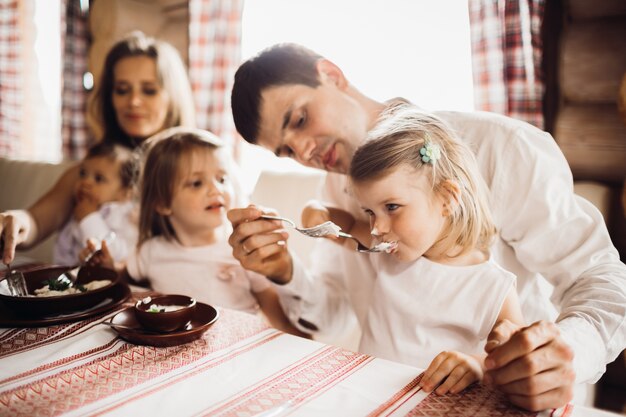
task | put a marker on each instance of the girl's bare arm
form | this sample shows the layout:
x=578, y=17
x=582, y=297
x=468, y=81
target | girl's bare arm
x=270, y=306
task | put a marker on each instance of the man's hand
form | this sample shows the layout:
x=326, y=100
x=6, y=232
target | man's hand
x=260, y=245
x=531, y=365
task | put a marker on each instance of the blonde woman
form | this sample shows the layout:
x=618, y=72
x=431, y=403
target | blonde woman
x=437, y=293
x=143, y=90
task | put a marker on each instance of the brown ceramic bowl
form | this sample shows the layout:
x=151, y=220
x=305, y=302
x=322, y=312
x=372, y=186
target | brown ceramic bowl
x=32, y=306
x=165, y=313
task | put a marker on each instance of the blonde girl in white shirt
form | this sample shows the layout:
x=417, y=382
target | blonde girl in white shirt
x=187, y=187
x=437, y=293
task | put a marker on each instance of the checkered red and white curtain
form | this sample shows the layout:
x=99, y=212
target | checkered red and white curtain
x=214, y=55
x=506, y=56
x=10, y=79
x=75, y=46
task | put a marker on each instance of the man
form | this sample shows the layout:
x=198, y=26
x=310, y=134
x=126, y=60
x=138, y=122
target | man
x=296, y=103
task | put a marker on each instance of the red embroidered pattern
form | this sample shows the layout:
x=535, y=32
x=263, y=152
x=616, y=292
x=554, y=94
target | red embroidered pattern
x=129, y=366
x=295, y=385
x=197, y=369
x=399, y=397
x=476, y=400
x=19, y=340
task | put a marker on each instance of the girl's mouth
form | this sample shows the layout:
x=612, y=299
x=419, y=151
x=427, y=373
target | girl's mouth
x=388, y=247
x=216, y=206
x=393, y=247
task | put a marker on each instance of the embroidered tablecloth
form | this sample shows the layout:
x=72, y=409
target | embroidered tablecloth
x=238, y=368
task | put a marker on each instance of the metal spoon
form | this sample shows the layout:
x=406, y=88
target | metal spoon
x=380, y=247
x=331, y=229
x=134, y=329
x=15, y=279
x=139, y=329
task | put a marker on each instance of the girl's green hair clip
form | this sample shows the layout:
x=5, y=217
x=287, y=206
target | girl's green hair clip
x=430, y=152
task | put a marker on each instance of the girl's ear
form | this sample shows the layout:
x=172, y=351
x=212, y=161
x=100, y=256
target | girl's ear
x=163, y=211
x=450, y=194
x=331, y=73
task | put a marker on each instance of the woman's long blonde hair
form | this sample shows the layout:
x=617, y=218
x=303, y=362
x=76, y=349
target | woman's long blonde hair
x=397, y=140
x=172, y=76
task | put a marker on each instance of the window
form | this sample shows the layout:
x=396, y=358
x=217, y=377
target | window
x=42, y=105
x=48, y=50
x=419, y=50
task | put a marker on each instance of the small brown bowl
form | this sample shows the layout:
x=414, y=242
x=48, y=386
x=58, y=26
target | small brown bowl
x=151, y=315
x=59, y=304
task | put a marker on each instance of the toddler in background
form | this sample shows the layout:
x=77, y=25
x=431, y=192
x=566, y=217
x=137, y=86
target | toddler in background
x=104, y=203
x=438, y=293
x=186, y=189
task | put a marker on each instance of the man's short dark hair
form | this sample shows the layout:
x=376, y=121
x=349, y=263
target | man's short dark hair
x=281, y=64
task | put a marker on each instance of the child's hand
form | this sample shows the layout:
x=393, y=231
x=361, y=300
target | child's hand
x=85, y=205
x=101, y=258
x=457, y=369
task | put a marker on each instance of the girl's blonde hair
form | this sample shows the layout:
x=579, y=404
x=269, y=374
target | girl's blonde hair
x=166, y=153
x=397, y=141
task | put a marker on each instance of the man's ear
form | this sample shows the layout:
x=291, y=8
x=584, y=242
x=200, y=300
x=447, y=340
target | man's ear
x=328, y=72
x=450, y=194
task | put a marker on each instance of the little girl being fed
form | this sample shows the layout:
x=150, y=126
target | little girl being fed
x=438, y=293
x=187, y=187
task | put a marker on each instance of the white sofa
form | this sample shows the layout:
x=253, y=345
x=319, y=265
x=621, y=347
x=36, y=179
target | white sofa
x=21, y=184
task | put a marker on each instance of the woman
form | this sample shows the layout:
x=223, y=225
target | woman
x=143, y=90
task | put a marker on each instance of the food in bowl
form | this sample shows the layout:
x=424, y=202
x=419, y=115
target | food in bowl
x=31, y=306
x=55, y=287
x=155, y=308
x=165, y=313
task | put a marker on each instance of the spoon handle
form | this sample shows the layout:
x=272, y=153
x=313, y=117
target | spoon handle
x=121, y=326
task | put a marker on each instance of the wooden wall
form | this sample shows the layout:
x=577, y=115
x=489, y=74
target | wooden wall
x=591, y=63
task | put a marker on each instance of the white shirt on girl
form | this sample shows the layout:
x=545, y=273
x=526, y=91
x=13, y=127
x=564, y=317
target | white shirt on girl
x=208, y=273
x=118, y=217
x=422, y=308
x=554, y=241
